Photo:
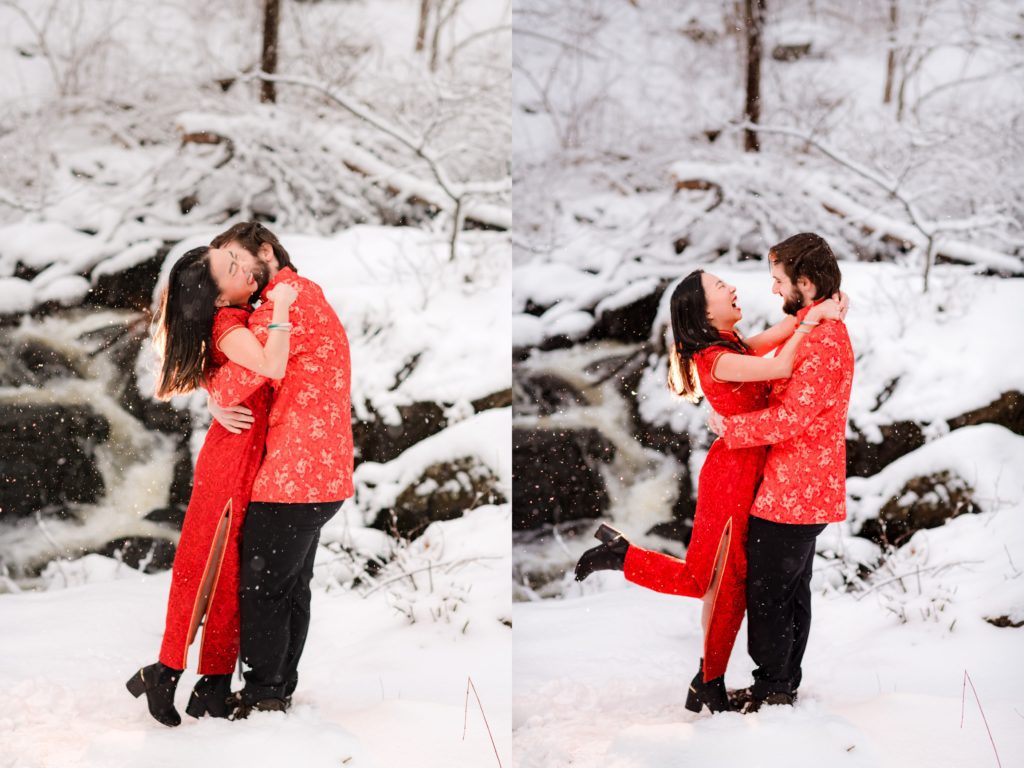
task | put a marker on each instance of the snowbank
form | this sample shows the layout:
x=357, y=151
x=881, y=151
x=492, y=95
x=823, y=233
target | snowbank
x=484, y=436
x=375, y=690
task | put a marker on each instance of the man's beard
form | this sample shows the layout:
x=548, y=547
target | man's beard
x=794, y=302
x=261, y=274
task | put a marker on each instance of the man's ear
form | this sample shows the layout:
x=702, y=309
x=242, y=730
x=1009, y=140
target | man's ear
x=266, y=253
x=806, y=287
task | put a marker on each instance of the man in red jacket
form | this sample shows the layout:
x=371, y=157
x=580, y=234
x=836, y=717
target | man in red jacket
x=804, y=485
x=306, y=472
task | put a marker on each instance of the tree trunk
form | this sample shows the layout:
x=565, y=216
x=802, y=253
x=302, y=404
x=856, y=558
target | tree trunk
x=421, y=29
x=890, y=64
x=271, y=20
x=754, y=21
x=435, y=42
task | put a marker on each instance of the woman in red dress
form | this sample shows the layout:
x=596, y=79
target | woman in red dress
x=709, y=357
x=200, y=327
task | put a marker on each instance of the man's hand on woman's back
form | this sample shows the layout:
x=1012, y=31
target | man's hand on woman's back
x=234, y=418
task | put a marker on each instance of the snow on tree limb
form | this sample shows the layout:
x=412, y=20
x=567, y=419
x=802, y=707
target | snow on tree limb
x=919, y=233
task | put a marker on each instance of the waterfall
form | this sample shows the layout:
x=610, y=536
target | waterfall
x=99, y=470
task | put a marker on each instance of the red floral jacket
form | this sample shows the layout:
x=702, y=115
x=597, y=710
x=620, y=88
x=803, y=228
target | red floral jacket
x=309, y=453
x=805, y=425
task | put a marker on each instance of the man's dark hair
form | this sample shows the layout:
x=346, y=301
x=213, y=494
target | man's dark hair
x=251, y=235
x=808, y=255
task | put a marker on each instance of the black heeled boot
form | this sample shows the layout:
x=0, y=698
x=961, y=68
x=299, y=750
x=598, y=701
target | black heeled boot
x=210, y=697
x=608, y=556
x=711, y=694
x=158, y=682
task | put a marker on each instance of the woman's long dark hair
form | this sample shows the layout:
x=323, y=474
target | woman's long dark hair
x=692, y=332
x=184, y=324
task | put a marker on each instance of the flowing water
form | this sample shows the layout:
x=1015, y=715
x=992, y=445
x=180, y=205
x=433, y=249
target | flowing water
x=643, y=484
x=80, y=371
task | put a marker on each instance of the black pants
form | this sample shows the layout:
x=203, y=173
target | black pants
x=779, y=562
x=279, y=544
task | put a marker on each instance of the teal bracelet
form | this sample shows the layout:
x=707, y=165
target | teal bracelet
x=280, y=327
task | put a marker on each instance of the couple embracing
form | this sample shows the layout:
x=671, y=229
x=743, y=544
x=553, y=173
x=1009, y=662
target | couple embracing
x=275, y=466
x=771, y=482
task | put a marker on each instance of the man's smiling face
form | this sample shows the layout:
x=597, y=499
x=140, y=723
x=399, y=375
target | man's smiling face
x=792, y=299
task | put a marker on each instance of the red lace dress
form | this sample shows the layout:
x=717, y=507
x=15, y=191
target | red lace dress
x=715, y=567
x=205, y=577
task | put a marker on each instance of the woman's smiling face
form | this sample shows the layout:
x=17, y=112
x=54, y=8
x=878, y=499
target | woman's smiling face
x=723, y=310
x=232, y=270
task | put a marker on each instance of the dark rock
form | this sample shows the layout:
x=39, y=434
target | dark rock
x=174, y=515
x=864, y=458
x=791, y=52
x=47, y=456
x=381, y=442
x=501, y=399
x=444, y=492
x=1005, y=621
x=1007, y=411
x=632, y=321
x=676, y=529
x=557, y=476
x=532, y=308
x=378, y=441
x=25, y=272
x=543, y=394
x=131, y=288
x=924, y=502
x=188, y=202
x=157, y=554
x=520, y=353
x=560, y=341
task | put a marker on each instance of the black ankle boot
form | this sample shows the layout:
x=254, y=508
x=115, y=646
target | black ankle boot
x=158, y=682
x=711, y=694
x=210, y=696
x=609, y=556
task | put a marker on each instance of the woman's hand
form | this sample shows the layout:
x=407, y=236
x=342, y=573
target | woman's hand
x=844, y=303
x=830, y=309
x=282, y=293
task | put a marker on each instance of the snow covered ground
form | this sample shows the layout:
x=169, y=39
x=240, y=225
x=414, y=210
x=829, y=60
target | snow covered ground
x=375, y=690
x=601, y=681
x=601, y=677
